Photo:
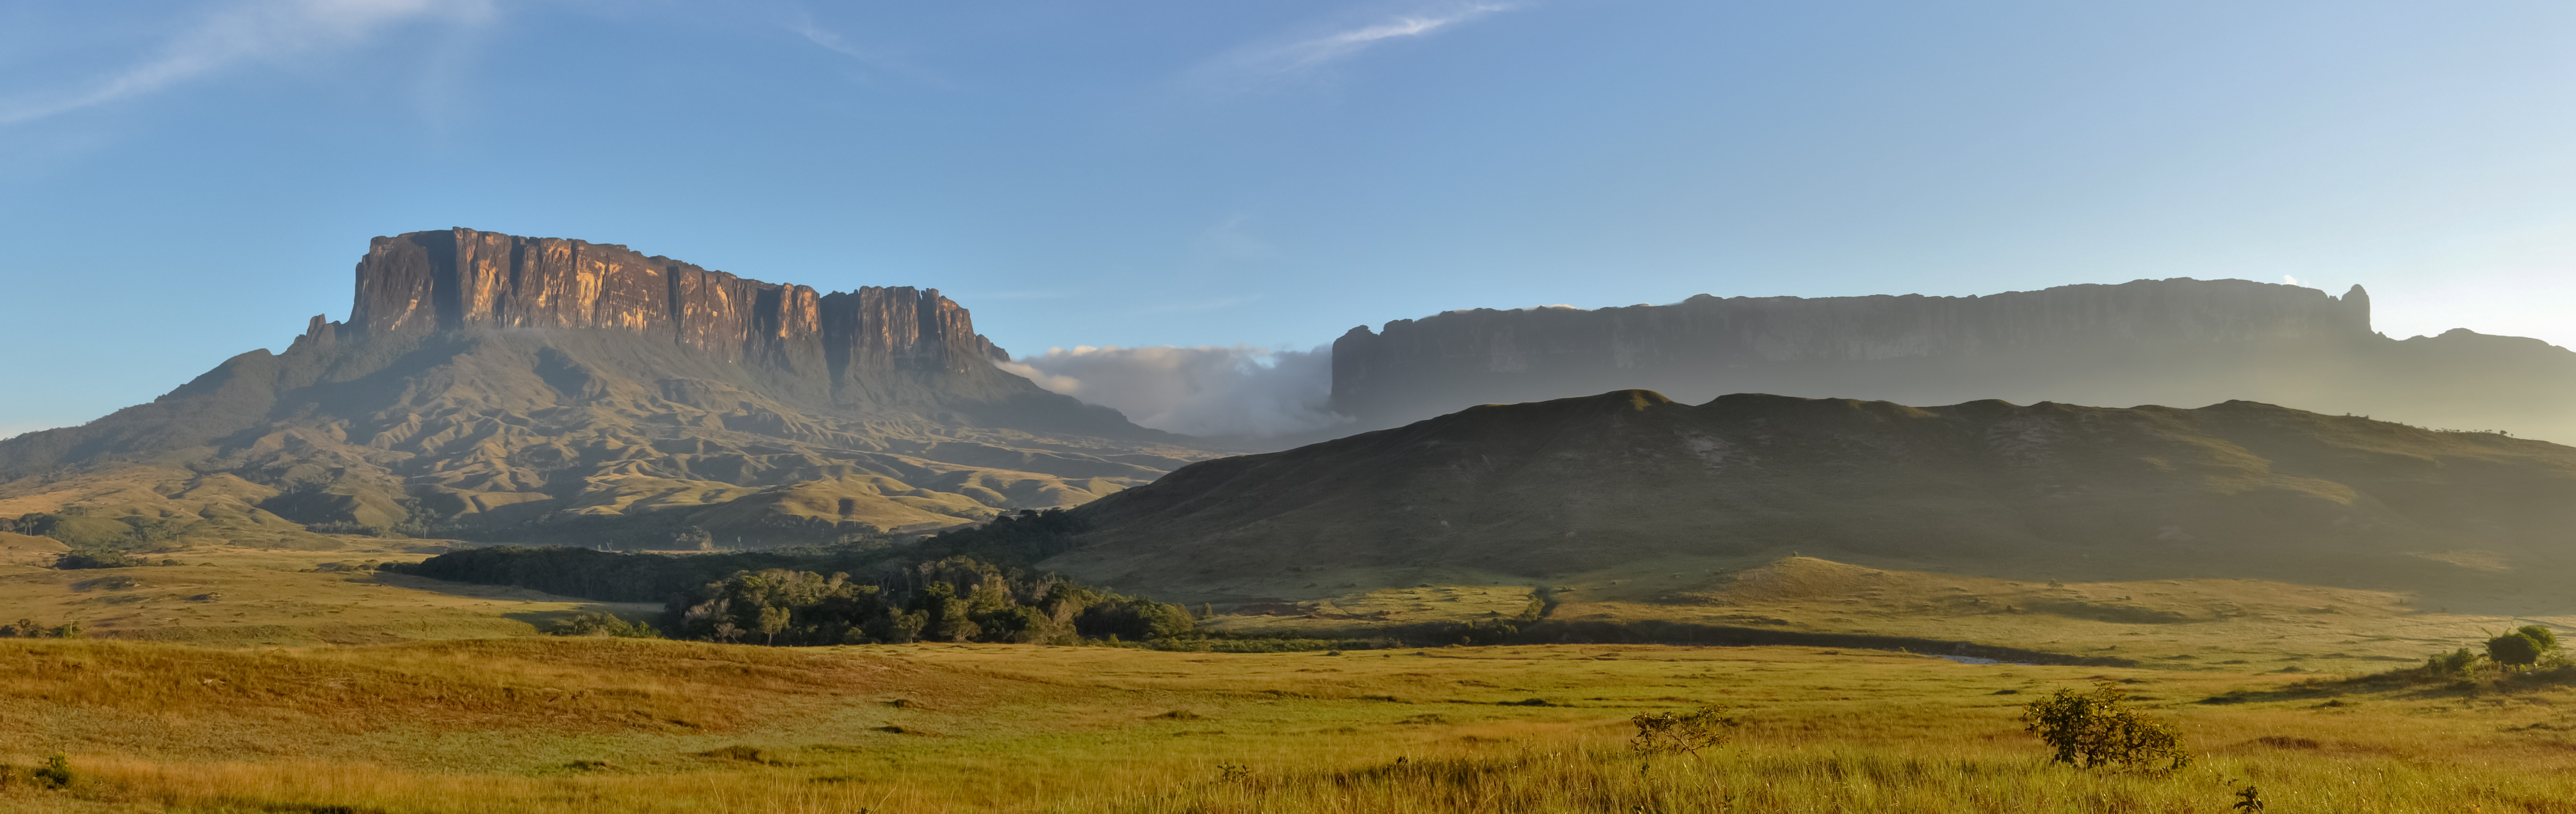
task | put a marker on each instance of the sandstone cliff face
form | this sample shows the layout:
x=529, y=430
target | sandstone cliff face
x=425, y=282
x=2179, y=342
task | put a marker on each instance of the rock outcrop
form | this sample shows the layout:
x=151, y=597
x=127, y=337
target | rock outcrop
x=425, y=282
x=2179, y=342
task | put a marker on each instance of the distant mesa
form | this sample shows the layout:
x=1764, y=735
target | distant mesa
x=516, y=389
x=2178, y=342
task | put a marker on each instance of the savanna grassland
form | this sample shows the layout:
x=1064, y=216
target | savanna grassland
x=250, y=680
x=598, y=724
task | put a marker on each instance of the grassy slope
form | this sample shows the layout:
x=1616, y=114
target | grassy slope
x=232, y=596
x=604, y=725
x=507, y=427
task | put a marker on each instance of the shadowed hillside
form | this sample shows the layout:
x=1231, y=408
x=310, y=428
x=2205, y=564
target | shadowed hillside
x=1523, y=492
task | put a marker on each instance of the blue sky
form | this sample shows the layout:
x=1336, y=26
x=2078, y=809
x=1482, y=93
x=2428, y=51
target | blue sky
x=182, y=181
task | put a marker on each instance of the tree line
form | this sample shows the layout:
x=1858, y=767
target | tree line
x=954, y=599
x=967, y=585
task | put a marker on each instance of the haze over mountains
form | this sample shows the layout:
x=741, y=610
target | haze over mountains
x=487, y=384
x=2178, y=342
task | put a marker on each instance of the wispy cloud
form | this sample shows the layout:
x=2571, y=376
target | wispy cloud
x=242, y=32
x=803, y=24
x=1252, y=65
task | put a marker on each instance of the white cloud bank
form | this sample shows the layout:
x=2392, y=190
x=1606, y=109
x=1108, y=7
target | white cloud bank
x=262, y=29
x=1206, y=390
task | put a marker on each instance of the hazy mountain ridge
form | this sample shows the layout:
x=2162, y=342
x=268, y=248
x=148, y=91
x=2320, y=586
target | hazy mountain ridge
x=496, y=382
x=1524, y=492
x=2177, y=341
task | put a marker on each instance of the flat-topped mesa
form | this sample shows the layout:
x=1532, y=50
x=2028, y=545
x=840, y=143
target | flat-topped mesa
x=1707, y=345
x=426, y=282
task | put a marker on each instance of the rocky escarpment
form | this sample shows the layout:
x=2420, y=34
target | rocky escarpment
x=538, y=389
x=425, y=282
x=2179, y=342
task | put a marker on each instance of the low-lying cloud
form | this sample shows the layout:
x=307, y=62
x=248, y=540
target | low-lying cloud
x=1206, y=390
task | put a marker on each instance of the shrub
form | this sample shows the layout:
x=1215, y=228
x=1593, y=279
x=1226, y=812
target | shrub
x=2540, y=633
x=57, y=772
x=30, y=629
x=2459, y=662
x=1662, y=732
x=2516, y=649
x=2099, y=728
x=96, y=559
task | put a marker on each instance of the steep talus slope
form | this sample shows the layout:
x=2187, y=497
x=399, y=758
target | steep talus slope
x=1533, y=490
x=517, y=388
x=2177, y=341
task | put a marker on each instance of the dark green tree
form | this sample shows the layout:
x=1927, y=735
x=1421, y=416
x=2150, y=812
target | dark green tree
x=2515, y=649
x=950, y=619
x=2540, y=633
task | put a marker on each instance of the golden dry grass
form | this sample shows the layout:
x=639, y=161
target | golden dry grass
x=2234, y=625
x=638, y=726
x=238, y=596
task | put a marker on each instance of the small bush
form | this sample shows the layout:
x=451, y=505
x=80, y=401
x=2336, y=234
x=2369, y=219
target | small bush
x=2099, y=728
x=2547, y=638
x=56, y=774
x=2249, y=800
x=2461, y=662
x=2515, y=649
x=1663, y=732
